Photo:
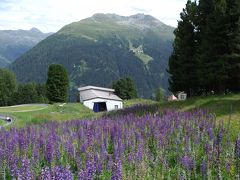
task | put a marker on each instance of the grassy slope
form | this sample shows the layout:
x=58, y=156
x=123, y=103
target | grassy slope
x=225, y=107
x=52, y=112
x=222, y=106
x=131, y=102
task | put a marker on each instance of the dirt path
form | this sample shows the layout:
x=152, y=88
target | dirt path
x=44, y=107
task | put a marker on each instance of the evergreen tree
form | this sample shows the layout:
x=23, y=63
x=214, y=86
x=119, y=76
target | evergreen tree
x=213, y=46
x=206, y=55
x=159, y=94
x=41, y=92
x=233, y=11
x=7, y=87
x=183, y=65
x=57, y=83
x=125, y=88
x=26, y=94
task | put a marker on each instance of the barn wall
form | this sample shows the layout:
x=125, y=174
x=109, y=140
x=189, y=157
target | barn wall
x=110, y=103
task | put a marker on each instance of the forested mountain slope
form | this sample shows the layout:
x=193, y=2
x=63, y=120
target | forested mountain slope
x=101, y=49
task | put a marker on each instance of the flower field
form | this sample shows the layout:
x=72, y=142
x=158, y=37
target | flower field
x=171, y=144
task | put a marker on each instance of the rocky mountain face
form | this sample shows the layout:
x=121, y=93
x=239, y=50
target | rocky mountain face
x=101, y=49
x=14, y=43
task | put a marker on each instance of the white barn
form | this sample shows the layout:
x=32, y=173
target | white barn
x=182, y=96
x=99, y=98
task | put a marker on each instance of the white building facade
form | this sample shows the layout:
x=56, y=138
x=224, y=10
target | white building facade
x=99, y=99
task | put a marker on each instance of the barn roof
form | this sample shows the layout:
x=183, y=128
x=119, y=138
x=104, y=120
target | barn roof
x=96, y=88
x=92, y=92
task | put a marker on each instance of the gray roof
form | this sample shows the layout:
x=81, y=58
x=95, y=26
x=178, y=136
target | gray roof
x=92, y=92
x=96, y=88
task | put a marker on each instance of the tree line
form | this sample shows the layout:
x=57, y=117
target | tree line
x=55, y=89
x=206, y=49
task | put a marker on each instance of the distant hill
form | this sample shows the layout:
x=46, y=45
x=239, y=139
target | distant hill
x=101, y=49
x=14, y=43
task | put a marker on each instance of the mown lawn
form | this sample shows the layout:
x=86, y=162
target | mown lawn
x=40, y=115
x=21, y=108
x=2, y=122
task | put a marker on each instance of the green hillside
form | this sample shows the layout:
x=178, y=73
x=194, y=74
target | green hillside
x=101, y=49
x=225, y=107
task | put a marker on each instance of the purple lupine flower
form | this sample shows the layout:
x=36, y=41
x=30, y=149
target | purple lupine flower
x=187, y=162
x=117, y=170
x=58, y=173
x=210, y=133
x=203, y=169
x=228, y=166
x=219, y=137
x=90, y=168
x=69, y=148
x=109, y=162
x=207, y=148
x=49, y=152
x=139, y=153
x=45, y=174
x=237, y=148
x=24, y=173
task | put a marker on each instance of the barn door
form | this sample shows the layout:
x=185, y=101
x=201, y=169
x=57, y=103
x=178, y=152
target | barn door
x=96, y=107
x=99, y=106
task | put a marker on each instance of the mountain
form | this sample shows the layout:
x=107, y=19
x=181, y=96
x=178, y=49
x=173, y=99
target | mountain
x=14, y=43
x=101, y=49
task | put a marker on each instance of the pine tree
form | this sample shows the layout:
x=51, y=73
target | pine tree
x=213, y=46
x=125, y=88
x=183, y=65
x=7, y=87
x=159, y=94
x=57, y=83
x=233, y=12
x=206, y=55
x=26, y=94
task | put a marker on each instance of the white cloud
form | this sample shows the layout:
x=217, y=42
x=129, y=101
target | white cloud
x=51, y=15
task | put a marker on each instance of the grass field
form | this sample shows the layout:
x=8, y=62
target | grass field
x=225, y=107
x=2, y=122
x=41, y=114
x=142, y=142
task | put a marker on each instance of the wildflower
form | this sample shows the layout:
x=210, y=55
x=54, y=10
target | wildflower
x=237, y=149
x=24, y=173
x=203, y=168
x=187, y=162
x=117, y=170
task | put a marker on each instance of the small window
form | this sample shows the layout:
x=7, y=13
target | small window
x=183, y=97
x=116, y=107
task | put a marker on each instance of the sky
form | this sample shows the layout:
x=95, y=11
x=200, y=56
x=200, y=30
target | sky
x=52, y=15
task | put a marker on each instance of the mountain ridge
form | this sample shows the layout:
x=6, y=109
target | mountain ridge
x=101, y=49
x=14, y=43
